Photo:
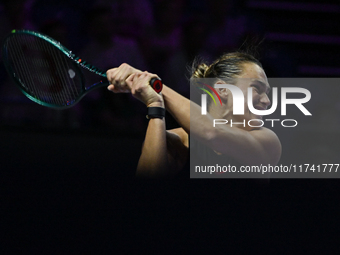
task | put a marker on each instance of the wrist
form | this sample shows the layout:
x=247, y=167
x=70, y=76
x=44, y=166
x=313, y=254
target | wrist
x=155, y=112
x=157, y=103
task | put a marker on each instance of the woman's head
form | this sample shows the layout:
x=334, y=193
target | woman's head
x=240, y=69
x=228, y=66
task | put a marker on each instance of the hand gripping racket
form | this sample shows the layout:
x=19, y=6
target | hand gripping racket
x=47, y=72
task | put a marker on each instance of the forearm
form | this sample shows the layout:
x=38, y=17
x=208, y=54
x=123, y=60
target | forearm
x=181, y=108
x=153, y=161
x=178, y=106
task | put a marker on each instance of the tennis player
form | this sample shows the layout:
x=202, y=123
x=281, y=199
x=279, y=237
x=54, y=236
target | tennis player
x=166, y=152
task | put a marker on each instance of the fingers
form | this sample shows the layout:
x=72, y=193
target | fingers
x=118, y=76
x=126, y=79
x=135, y=82
x=142, y=78
x=115, y=89
x=132, y=78
x=138, y=84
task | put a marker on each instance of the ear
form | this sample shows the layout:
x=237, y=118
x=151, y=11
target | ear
x=222, y=92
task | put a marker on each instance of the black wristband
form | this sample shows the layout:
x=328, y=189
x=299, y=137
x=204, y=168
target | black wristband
x=155, y=112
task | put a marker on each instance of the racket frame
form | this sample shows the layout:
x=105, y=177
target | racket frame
x=77, y=60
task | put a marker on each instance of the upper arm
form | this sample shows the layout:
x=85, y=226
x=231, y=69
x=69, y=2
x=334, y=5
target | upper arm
x=269, y=145
x=178, y=148
x=255, y=147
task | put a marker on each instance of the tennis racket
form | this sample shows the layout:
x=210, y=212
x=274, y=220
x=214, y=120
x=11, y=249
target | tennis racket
x=47, y=72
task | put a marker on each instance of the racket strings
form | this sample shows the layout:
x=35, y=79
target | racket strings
x=55, y=89
x=21, y=70
x=29, y=79
x=38, y=62
x=45, y=72
x=55, y=80
x=21, y=66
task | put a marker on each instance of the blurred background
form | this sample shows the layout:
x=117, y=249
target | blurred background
x=292, y=39
x=53, y=164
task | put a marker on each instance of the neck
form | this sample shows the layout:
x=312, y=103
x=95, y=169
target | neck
x=224, y=112
x=220, y=112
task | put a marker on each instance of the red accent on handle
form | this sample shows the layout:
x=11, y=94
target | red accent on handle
x=156, y=84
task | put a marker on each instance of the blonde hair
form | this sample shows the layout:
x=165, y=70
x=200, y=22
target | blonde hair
x=225, y=67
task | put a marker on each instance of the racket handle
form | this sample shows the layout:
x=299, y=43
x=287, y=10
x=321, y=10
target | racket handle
x=156, y=84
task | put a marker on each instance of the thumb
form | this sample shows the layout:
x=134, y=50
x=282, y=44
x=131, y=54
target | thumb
x=114, y=89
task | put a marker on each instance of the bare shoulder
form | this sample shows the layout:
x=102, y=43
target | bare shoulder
x=269, y=141
x=264, y=131
x=179, y=135
x=178, y=147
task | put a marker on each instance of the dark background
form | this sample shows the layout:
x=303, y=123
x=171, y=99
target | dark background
x=67, y=177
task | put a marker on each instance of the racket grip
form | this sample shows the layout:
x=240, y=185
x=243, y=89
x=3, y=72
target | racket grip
x=156, y=84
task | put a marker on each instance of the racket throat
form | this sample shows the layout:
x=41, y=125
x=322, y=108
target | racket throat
x=101, y=83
